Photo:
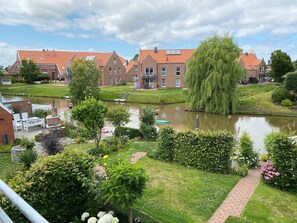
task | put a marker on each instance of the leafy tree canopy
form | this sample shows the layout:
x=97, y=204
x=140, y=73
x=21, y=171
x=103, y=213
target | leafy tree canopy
x=212, y=75
x=118, y=116
x=85, y=77
x=135, y=58
x=91, y=113
x=29, y=70
x=280, y=64
x=291, y=82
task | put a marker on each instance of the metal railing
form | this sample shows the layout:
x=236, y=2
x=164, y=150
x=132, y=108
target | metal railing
x=149, y=75
x=30, y=213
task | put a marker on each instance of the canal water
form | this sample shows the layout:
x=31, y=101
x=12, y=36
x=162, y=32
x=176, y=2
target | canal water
x=179, y=118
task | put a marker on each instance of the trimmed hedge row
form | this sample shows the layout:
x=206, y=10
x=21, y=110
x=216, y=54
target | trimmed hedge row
x=284, y=155
x=209, y=151
x=130, y=132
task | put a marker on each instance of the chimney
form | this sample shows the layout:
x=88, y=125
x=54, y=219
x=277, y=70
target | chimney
x=246, y=53
x=127, y=61
x=156, y=50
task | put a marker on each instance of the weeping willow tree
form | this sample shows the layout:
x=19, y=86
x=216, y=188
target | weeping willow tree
x=212, y=76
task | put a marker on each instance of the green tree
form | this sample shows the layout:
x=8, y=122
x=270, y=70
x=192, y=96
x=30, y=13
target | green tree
x=147, y=121
x=291, y=82
x=212, y=76
x=1, y=75
x=125, y=184
x=280, y=64
x=135, y=58
x=29, y=71
x=91, y=113
x=118, y=116
x=85, y=77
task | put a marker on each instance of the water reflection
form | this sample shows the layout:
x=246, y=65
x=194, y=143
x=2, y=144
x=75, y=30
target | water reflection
x=256, y=126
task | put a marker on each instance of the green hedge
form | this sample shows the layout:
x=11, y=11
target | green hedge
x=5, y=148
x=130, y=132
x=284, y=155
x=209, y=151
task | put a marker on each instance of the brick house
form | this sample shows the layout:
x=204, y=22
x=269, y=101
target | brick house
x=132, y=71
x=256, y=68
x=6, y=126
x=163, y=68
x=56, y=63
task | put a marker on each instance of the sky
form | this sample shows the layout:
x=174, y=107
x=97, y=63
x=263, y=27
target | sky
x=127, y=25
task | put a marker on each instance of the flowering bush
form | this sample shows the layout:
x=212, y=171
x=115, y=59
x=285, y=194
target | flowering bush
x=269, y=173
x=247, y=154
x=103, y=217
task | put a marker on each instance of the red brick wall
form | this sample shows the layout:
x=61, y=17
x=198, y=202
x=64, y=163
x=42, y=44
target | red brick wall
x=114, y=75
x=132, y=72
x=6, y=126
x=21, y=106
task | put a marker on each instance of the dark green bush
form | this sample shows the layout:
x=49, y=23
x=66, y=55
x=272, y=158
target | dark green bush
x=269, y=140
x=17, y=79
x=209, y=151
x=113, y=143
x=284, y=155
x=42, y=76
x=166, y=143
x=247, y=154
x=97, y=152
x=130, y=132
x=59, y=187
x=291, y=82
x=286, y=103
x=280, y=94
x=149, y=132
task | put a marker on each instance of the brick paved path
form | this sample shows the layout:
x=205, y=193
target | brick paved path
x=137, y=156
x=237, y=198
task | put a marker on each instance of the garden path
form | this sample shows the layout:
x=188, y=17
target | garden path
x=236, y=200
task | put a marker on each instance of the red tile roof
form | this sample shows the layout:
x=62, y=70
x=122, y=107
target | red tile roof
x=250, y=61
x=162, y=56
x=130, y=65
x=62, y=58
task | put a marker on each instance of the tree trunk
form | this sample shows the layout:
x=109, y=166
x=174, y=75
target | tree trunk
x=130, y=215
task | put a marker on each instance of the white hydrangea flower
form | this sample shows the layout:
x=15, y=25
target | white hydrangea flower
x=101, y=214
x=111, y=213
x=115, y=220
x=92, y=220
x=105, y=219
x=84, y=216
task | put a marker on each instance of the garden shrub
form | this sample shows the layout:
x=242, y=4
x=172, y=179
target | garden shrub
x=269, y=174
x=37, y=138
x=130, y=132
x=26, y=143
x=247, y=153
x=284, y=157
x=269, y=140
x=291, y=82
x=241, y=170
x=264, y=157
x=97, y=152
x=166, y=143
x=41, y=77
x=59, y=187
x=209, y=151
x=51, y=143
x=41, y=113
x=280, y=94
x=5, y=148
x=286, y=103
x=27, y=158
x=147, y=121
x=113, y=143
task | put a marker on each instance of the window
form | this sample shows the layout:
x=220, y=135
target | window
x=110, y=72
x=119, y=79
x=136, y=68
x=177, y=70
x=110, y=80
x=114, y=61
x=119, y=70
x=149, y=71
x=163, y=82
x=177, y=82
x=163, y=71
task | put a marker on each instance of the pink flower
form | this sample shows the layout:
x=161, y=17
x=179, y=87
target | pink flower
x=267, y=178
x=276, y=173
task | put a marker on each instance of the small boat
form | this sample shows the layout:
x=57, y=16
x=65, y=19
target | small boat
x=160, y=121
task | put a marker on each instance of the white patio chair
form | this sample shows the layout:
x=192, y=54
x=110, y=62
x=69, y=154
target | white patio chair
x=17, y=122
x=25, y=115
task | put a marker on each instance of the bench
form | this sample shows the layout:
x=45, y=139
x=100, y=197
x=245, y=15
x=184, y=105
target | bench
x=31, y=122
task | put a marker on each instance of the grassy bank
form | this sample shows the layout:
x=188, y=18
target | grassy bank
x=271, y=205
x=175, y=193
x=6, y=166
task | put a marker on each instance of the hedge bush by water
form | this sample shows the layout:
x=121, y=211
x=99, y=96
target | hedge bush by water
x=166, y=143
x=209, y=151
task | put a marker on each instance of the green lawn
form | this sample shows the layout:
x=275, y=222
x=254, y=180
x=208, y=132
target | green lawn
x=271, y=205
x=6, y=166
x=174, y=193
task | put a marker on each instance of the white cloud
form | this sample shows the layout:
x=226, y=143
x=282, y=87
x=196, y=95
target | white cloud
x=7, y=54
x=153, y=22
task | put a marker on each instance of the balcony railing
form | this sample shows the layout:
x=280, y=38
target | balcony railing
x=30, y=213
x=148, y=75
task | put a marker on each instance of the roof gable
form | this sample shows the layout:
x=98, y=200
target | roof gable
x=167, y=56
x=250, y=61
